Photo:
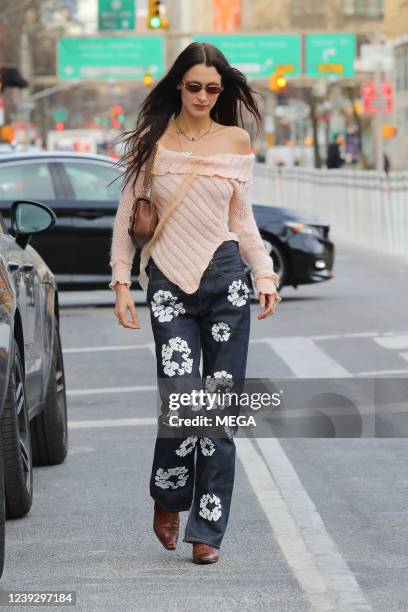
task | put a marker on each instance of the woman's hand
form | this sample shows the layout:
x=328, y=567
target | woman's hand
x=124, y=302
x=268, y=302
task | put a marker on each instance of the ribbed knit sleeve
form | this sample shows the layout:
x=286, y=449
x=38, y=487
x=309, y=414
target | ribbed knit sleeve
x=252, y=249
x=122, y=247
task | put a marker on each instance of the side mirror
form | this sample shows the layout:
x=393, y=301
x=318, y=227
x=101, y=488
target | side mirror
x=29, y=217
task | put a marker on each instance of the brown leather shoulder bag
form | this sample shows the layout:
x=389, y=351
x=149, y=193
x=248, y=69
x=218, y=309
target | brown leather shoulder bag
x=144, y=219
x=144, y=225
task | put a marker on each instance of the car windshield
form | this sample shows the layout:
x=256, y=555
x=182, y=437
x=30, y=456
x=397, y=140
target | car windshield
x=24, y=180
x=90, y=181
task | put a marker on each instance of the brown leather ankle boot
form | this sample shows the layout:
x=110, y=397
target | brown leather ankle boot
x=204, y=553
x=166, y=526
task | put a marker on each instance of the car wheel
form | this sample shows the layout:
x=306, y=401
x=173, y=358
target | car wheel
x=18, y=465
x=279, y=265
x=49, y=428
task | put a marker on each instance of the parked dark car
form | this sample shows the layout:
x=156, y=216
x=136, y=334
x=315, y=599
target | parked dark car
x=76, y=187
x=300, y=247
x=33, y=408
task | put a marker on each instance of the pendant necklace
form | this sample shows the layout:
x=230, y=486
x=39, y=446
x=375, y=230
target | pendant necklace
x=191, y=138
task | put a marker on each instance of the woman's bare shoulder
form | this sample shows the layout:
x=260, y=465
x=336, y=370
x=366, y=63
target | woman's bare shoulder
x=237, y=138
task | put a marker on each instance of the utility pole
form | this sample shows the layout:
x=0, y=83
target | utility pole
x=379, y=144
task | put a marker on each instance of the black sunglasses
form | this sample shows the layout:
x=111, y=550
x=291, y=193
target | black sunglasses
x=195, y=87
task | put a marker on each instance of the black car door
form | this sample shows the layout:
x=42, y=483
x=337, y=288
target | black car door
x=93, y=204
x=40, y=179
x=25, y=279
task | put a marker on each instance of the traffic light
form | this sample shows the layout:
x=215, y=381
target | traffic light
x=60, y=126
x=147, y=79
x=7, y=133
x=389, y=131
x=117, y=116
x=277, y=82
x=155, y=20
x=11, y=77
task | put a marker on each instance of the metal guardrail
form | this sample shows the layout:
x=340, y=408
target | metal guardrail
x=369, y=208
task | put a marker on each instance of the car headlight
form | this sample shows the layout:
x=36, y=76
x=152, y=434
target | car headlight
x=301, y=228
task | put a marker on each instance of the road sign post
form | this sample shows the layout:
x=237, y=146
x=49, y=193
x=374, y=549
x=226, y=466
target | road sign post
x=261, y=55
x=377, y=96
x=116, y=15
x=378, y=99
x=110, y=57
x=329, y=55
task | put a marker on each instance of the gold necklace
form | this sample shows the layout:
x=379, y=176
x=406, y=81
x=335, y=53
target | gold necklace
x=179, y=130
x=193, y=138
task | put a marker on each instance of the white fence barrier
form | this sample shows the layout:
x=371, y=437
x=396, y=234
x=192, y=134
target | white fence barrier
x=365, y=207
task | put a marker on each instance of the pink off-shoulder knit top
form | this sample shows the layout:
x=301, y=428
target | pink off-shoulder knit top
x=216, y=207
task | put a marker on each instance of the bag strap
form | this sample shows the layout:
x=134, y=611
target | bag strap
x=188, y=178
x=147, y=179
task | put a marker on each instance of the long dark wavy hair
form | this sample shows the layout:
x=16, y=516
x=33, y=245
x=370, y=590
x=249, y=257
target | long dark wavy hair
x=164, y=101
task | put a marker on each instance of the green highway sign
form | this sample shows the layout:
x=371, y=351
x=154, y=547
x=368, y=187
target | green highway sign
x=95, y=58
x=116, y=14
x=261, y=55
x=60, y=114
x=330, y=54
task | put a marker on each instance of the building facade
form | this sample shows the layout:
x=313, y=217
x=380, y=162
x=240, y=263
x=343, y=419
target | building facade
x=396, y=29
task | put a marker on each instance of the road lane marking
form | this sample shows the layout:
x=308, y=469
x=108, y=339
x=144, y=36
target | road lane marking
x=342, y=336
x=326, y=336
x=150, y=345
x=118, y=347
x=133, y=422
x=381, y=372
x=399, y=341
x=306, y=359
x=100, y=390
x=299, y=530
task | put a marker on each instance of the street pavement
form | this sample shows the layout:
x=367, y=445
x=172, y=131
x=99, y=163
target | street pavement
x=315, y=524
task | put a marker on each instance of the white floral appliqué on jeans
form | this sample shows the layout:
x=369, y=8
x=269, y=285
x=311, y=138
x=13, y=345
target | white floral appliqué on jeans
x=186, y=446
x=229, y=432
x=218, y=383
x=165, y=305
x=221, y=331
x=173, y=478
x=207, y=446
x=171, y=367
x=220, y=378
x=238, y=292
x=214, y=513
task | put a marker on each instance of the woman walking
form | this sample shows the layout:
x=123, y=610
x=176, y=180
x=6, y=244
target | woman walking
x=194, y=275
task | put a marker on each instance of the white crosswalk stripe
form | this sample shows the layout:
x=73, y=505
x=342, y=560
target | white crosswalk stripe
x=394, y=342
x=397, y=341
x=306, y=359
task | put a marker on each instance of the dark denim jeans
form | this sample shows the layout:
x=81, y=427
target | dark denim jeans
x=191, y=472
